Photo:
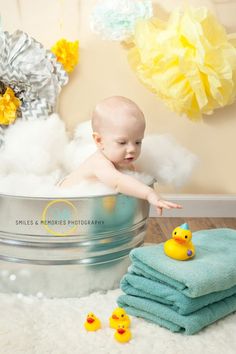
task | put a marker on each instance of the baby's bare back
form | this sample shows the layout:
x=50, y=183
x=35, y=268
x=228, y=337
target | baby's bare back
x=85, y=171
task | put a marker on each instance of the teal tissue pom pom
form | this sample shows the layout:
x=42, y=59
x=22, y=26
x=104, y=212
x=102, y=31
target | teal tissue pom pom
x=115, y=19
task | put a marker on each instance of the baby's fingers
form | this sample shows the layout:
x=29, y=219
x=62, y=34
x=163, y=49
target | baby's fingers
x=163, y=204
x=173, y=205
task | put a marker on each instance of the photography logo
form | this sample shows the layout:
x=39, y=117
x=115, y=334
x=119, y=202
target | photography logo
x=58, y=216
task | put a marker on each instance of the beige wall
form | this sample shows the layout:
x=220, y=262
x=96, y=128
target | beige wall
x=104, y=71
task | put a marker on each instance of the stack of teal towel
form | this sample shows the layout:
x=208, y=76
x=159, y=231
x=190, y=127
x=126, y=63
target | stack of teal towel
x=183, y=296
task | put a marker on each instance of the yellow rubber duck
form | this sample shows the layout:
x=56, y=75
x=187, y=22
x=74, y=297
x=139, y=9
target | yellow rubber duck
x=119, y=316
x=92, y=323
x=180, y=246
x=122, y=334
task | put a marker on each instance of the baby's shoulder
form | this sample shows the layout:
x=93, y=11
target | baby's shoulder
x=98, y=159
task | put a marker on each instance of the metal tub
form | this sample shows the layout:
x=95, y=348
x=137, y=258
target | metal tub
x=67, y=247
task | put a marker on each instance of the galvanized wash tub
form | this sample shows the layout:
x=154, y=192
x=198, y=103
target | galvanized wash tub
x=67, y=247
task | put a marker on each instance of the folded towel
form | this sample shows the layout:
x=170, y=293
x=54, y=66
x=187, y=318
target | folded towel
x=166, y=317
x=183, y=296
x=142, y=287
x=212, y=269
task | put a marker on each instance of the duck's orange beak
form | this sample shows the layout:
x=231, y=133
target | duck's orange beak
x=115, y=317
x=120, y=330
x=179, y=239
x=90, y=320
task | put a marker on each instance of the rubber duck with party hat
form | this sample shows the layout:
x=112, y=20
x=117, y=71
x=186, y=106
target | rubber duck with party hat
x=92, y=323
x=119, y=316
x=180, y=246
x=122, y=333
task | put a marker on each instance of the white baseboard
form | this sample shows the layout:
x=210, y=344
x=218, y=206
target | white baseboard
x=200, y=205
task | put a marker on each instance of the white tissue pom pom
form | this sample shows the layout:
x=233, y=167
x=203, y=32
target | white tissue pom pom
x=29, y=184
x=115, y=19
x=80, y=148
x=84, y=132
x=34, y=146
x=167, y=161
x=24, y=185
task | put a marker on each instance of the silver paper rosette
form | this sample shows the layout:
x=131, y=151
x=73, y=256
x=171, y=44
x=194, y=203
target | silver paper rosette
x=32, y=72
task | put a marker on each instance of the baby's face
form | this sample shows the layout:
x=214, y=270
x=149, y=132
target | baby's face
x=121, y=141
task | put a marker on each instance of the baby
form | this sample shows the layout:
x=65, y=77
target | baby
x=118, y=129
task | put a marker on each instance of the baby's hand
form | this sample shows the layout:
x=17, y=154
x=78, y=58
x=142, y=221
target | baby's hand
x=161, y=204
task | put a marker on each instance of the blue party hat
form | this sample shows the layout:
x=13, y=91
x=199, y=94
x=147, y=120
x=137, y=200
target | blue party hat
x=184, y=226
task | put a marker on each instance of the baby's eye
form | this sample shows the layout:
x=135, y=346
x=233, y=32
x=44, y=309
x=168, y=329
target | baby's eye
x=138, y=142
x=121, y=142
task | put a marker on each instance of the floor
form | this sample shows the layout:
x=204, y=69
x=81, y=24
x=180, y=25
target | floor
x=160, y=229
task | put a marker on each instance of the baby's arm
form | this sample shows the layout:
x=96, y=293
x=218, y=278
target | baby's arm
x=122, y=183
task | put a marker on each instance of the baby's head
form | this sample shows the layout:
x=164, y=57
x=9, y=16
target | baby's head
x=118, y=129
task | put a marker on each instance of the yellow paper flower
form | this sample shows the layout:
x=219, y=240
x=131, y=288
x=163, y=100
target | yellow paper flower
x=189, y=61
x=67, y=53
x=8, y=107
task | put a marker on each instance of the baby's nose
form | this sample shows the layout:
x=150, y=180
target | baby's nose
x=131, y=148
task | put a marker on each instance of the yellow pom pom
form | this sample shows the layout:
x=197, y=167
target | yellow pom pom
x=9, y=104
x=67, y=53
x=189, y=62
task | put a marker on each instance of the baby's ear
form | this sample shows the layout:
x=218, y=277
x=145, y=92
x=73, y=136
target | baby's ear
x=97, y=139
